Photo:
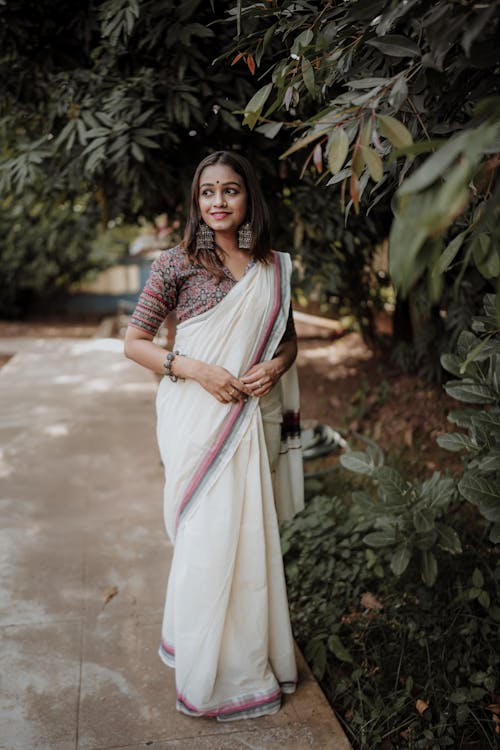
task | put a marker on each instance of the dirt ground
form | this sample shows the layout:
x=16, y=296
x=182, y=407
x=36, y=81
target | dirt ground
x=345, y=384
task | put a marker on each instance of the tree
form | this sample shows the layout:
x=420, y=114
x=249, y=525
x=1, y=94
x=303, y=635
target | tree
x=367, y=89
x=110, y=108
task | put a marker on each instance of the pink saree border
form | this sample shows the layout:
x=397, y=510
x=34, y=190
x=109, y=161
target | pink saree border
x=236, y=410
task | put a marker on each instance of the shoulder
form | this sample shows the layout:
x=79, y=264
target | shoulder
x=283, y=259
x=172, y=261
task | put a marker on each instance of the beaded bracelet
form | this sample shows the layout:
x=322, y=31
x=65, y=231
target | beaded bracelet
x=167, y=366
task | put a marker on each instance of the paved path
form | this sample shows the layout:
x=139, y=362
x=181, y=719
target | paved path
x=81, y=487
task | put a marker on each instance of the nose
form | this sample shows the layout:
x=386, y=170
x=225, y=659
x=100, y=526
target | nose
x=219, y=198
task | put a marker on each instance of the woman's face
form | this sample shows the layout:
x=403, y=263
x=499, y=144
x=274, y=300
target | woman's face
x=222, y=198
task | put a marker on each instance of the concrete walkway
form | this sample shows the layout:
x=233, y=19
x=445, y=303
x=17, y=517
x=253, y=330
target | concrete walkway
x=84, y=564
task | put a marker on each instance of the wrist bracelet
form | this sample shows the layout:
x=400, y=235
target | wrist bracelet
x=167, y=366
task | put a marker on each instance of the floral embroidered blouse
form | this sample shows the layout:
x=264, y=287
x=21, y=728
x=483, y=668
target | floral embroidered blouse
x=175, y=284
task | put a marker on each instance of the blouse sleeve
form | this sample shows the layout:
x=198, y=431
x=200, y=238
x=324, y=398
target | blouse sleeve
x=290, y=332
x=158, y=297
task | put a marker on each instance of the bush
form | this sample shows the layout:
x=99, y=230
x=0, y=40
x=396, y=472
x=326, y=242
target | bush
x=394, y=595
x=404, y=664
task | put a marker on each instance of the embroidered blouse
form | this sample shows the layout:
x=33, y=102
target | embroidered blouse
x=175, y=284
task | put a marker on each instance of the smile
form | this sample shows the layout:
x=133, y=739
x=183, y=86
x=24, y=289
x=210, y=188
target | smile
x=220, y=215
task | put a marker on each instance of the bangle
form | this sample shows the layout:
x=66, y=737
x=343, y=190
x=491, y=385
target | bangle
x=167, y=366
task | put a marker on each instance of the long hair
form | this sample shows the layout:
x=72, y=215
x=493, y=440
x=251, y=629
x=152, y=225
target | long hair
x=257, y=213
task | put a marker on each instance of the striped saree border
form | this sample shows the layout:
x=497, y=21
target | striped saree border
x=240, y=410
x=248, y=706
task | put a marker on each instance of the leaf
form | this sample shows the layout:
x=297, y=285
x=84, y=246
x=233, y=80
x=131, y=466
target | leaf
x=470, y=143
x=255, y=105
x=108, y=594
x=302, y=142
x=421, y=706
x=428, y=568
x=373, y=162
x=395, y=45
x=455, y=441
x=318, y=157
x=251, y=64
x=368, y=601
x=392, y=485
x=423, y=520
x=448, y=539
x=481, y=492
x=470, y=392
x=354, y=191
x=339, y=148
x=269, y=129
x=357, y=461
x=395, y=131
x=383, y=538
x=449, y=253
x=308, y=76
x=477, y=578
x=400, y=559
x=236, y=58
x=338, y=649
x=490, y=462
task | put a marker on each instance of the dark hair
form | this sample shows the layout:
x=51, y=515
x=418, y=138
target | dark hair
x=257, y=213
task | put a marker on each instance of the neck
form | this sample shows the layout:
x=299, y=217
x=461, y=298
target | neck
x=227, y=243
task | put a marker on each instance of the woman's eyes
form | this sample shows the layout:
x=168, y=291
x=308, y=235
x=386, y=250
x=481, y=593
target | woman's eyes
x=230, y=191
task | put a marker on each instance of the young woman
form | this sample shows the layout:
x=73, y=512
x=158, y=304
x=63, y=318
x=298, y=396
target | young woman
x=229, y=439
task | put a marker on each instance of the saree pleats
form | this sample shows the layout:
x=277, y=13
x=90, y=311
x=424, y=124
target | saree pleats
x=226, y=626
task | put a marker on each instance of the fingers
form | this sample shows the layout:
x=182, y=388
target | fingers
x=259, y=383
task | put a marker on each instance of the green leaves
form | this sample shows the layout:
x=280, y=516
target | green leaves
x=337, y=153
x=256, y=104
x=395, y=45
x=395, y=131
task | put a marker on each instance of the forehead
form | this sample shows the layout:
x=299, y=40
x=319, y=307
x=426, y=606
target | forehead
x=221, y=173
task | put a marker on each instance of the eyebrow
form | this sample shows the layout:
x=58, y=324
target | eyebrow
x=210, y=184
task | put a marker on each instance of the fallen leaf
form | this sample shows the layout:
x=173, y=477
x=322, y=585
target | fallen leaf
x=318, y=157
x=421, y=706
x=109, y=594
x=368, y=601
x=408, y=436
x=495, y=711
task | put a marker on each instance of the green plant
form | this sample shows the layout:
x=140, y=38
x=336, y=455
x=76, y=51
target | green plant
x=476, y=367
x=405, y=665
x=408, y=517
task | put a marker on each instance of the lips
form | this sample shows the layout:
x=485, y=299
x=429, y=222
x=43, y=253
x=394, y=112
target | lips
x=219, y=214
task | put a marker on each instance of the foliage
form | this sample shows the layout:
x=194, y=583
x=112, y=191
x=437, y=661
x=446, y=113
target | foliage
x=108, y=105
x=405, y=665
x=408, y=517
x=123, y=105
x=476, y=367
x=370, y=89
x=44, y=247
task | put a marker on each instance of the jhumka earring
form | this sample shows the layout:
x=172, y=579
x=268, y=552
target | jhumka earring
x=245, y=236
x=205, y=237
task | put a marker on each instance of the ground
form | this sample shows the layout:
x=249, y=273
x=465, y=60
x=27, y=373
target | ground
x=346, y=384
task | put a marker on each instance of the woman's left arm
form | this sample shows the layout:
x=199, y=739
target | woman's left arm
x=263, y=376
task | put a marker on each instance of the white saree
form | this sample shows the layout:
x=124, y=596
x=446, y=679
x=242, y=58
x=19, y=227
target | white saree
x=226, y=626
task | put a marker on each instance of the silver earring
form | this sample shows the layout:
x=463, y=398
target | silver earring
x=245, y=236
x=205, y=237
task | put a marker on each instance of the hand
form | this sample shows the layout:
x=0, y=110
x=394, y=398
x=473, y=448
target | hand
x=222, y=385
x=261, y=378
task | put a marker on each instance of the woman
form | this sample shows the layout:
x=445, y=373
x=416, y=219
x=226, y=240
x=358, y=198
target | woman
x=225, y=409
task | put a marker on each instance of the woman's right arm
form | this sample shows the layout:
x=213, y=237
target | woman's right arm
x=216, y=380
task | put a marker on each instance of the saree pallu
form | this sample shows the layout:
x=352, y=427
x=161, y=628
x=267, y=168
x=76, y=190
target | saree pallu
x=226, y=626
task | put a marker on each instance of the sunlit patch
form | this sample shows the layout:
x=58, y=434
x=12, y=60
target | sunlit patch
x=68, y=379
x=5, y=468
x=56, y=430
